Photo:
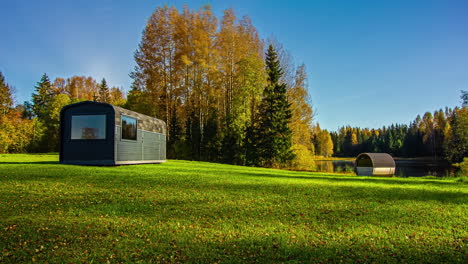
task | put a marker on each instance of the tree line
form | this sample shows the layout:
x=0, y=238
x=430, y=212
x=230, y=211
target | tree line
x=223, y=96
x=226, y=96
x=440, y=135
x=34, y=126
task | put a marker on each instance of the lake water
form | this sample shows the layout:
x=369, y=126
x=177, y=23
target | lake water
x=404, y=168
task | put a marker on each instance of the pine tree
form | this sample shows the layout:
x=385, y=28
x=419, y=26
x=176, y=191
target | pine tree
x=6, y=100
x=46, y=106
x=271, y=140
x=104, y=95
x=42, y=98
x=464, y=97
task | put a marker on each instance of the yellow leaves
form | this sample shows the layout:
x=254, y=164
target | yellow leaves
x=12, y=227
x=185, y=60
x=37, y=250
x=56, y=106
x=15, y=132
x=80, y=87
x=324, y=143
x=303, y=158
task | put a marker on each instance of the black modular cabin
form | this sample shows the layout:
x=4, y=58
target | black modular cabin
x=93, y=133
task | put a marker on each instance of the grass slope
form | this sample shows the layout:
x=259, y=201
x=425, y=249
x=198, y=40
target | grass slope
x=184, y=211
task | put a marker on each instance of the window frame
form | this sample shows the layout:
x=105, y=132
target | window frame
x=122, y=128
x=90, y=139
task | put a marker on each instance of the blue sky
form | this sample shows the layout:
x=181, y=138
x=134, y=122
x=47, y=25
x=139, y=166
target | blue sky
x=370, y=63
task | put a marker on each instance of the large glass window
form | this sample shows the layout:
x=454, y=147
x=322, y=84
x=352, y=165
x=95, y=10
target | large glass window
x=88, y=127
x=129, y=128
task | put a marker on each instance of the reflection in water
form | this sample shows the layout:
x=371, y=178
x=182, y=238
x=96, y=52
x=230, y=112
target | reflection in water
x=324, y=165
x=334, y=165
x=404, y=168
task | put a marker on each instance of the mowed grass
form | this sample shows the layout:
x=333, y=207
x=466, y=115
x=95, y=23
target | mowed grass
x=196, y=212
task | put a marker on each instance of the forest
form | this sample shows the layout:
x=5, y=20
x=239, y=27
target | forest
x=226, y=96
x=441, y=135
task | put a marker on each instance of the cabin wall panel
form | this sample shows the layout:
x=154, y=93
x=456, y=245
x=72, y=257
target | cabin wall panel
x=148, y=146
x=151, y=146
x=129, y=149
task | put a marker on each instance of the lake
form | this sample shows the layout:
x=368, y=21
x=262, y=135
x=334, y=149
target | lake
x=404, y=167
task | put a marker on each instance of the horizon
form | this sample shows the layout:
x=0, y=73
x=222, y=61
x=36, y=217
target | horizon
x=399, y=60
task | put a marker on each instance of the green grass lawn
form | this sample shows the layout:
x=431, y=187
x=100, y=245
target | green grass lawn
x=200, y=212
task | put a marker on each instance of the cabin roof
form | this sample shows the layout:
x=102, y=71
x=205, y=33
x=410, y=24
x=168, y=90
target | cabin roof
x=378, y=160
x=145, y=122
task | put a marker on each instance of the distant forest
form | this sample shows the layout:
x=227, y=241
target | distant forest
x=441, y=135
x=226, y=96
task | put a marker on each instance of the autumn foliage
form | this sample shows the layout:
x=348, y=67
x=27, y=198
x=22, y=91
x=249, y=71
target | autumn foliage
x=210, y=79
x=206, y=78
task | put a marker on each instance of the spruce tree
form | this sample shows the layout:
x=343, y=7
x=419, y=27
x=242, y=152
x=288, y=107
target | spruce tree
x=42, y=106
x=271, y=135
x=464, y=98
x=104, y=96
x=42, y=98
x=6, y=100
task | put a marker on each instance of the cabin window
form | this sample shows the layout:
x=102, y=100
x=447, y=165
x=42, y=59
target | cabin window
x=129, y=128
x=88, y=127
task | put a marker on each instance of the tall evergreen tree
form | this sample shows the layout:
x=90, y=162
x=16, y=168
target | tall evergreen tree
x=104, y=95
x=272, y=136
x=42, y=98
x=6, y=99
x=464, y=98
x=46, y=106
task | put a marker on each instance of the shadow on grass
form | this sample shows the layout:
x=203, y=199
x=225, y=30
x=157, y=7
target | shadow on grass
x=177, y=199
x=187, y=182
x=393, y=181
x=203, y=167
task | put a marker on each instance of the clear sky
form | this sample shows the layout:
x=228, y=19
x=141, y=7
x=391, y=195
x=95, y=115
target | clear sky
x=370, y=63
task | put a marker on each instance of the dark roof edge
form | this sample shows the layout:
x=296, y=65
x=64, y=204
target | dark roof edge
x=85, y=102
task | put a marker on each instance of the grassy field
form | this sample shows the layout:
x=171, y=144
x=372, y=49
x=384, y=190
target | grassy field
x=199, y=212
